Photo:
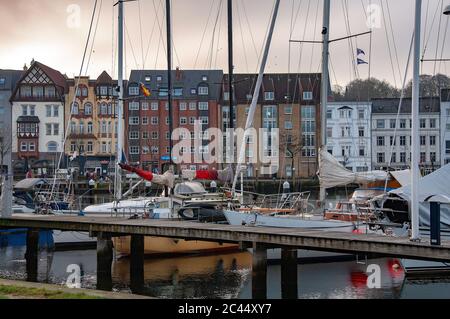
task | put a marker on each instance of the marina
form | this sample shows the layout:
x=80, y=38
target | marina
x=270, y=181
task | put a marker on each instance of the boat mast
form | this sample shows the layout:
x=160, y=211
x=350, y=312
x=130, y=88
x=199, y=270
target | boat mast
x=325, y=80
x=169, y=80
x=251, y=112
x=230, y=64
x=414, y=205
x=120, y=137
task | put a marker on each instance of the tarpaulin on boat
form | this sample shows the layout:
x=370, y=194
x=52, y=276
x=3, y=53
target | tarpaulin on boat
x=167, y=179
x=332, y=173
x=225, y=175
x=434, y=184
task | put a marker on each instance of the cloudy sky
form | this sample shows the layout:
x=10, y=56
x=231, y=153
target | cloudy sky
x=54, y=32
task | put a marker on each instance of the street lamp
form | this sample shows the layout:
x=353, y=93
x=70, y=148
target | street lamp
x=447, y=10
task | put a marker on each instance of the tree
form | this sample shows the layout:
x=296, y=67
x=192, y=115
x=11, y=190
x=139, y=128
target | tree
x=430, y=85
x=364, y=90
x=290, y=145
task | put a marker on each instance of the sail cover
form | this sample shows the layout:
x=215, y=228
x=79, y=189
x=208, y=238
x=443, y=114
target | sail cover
x=167, y=179
x=225, y=175
x=434, y=184
x=332, y=173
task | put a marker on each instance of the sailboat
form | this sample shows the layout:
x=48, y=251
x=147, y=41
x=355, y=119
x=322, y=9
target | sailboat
x=277, y=217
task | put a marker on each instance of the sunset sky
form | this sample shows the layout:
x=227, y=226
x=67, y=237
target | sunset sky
x=45, y=30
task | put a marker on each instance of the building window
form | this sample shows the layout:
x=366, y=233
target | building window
x=38, y=91
x=402, y=123
x=269, y=96
x=361, y=114
x=144, y=106
x=104, y=147
x=55, y=129
x=103, y=90
x=178, y=92
x=361, y=131
x=134, y=120
x=24, y=110
x=183, y=106
x=362, y=151
x=447, y=147
x=432, y=157
x=307, y=96
x=159, y=78
x=193, y=92
x=432, y=140
x=329, y=114
x=133, y=90
x=88, y=109
x=48, y=110
x=380, y=157
x=192, y=120
x=148, y=78
x=133, y=106
x=134, y=149
x=73, y=127
x=89, y=147
x=75, y=109
x=402, y=140
x=32, y=147
x=432, y=123
x=52, y=147
x=32, y=110
x=423, y=157
x=134, y=135
x=183, y=120
x=380, y=124
x=203, y=106
x=402, y=157
x=73, y=147
x=423, y=123
x=204, y=119
x=48, y=129
x=288, y=110
x=192, y=106
x=167, y=120
x=145, y=135
x=329, y=132
x=155, y=135
x=154, y=120
x=167, y=135
x=50, y=91
x=288, y=125
x=90, y=128
x=25, y=91
x=423, y=140
x=155, y=150
x=23, y=147
x=392, y=123
x=154, y=106
x=203, y=90
x=145, y=120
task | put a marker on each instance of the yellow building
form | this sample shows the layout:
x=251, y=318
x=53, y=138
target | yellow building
x=91, y=124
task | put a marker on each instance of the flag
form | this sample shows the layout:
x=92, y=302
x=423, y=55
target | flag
x=361, y=61
x=359, y=51
x=144, y=90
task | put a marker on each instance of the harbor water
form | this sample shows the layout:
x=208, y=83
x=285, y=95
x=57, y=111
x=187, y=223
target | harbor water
x=228, y=276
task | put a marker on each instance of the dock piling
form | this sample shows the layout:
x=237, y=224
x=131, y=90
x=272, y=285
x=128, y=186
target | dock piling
x=289, y=273
x=104, y=261
x=259, y=271
x=137, y=263
x=32, y=254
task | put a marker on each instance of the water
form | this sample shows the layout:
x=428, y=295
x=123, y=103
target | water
x=227, y=276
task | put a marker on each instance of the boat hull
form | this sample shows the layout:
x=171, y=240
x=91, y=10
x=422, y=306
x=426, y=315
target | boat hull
x=166, y=246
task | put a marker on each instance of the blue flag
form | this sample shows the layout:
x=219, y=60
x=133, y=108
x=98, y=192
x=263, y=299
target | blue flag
x=359, y=51
x=361, y=61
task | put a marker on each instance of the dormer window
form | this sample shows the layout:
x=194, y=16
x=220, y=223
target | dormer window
x=204, y=78
x=159, y=78
x=25, y=91
x=50, y=91
x=104, y=90
x=193, y=92
x=148, y=78
x=226, y=96
x=203, y=90
x=269, y=96
x=307, y=96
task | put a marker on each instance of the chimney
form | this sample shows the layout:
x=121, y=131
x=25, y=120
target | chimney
x=25, y=68
x=178, y=74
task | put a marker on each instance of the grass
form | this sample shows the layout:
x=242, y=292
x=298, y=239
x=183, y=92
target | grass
x=8, y=292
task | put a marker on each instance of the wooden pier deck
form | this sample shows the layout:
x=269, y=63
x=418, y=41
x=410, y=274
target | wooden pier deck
x=265, y=236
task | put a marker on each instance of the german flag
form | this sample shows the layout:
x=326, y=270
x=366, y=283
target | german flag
x=144, y=90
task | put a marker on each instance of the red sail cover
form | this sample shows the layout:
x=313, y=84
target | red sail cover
x=207, y=175
x=144, y=174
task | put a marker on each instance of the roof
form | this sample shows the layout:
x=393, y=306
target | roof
x=58, y=79
x=186, y=79
x=28, y=119
x=277, y=83
x=11, y=77
x=390, y=106
x=104, y=78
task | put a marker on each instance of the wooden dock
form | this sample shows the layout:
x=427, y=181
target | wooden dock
x=260, y=238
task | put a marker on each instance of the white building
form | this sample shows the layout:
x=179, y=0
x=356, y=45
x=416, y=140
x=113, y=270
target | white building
x=348, y=134
x=391, y=138
x=445, y=126
x=38, y=117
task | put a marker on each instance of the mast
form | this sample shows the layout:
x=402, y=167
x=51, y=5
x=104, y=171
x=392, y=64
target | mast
x=120, y=137
x=169, y=79
x=230, y=63
x=414, y=205
x=251, y=112
x=324, y=89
